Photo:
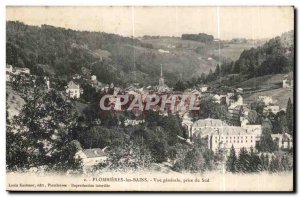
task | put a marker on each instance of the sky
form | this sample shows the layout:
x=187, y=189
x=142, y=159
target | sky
x=221, y=22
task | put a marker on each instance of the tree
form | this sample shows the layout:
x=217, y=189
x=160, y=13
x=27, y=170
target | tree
x=209, y=108
x=267, y=161
x=290, y=116
x=201, y=37
x=266, y=142
x=231, y=161
x=284, y=163
x=252, y=117
x=130, y=156
x=45, y=125
x=217, y=71
x=64, y=160
x=202, y=78
x=255, y=162
x=156, y=141
x=279, y=123
x=194, y=161
x=89, y=92
x=180, y=86
x=258, y=106
x=243, y=164
x=16, y=151
x=100, y=137
x=172, y=126
x=172, y=152
x=152, y=118
x=264, y=165
x=274, y=164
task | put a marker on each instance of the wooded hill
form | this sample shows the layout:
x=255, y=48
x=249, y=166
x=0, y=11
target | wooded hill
x=113, y=58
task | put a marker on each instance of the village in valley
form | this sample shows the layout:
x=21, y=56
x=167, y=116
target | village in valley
x=54, y=122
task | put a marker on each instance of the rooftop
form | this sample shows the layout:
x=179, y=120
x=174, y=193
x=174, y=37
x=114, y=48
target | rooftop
x=73, y=85
x=226, y=130
x=209, y=122
x=95, y=152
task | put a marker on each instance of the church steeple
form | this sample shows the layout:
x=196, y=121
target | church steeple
x=162, y=87
x=161, y=82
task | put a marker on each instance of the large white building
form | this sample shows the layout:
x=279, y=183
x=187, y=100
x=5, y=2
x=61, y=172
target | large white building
x=218, y=134
x=227, y=136
x=254, y=129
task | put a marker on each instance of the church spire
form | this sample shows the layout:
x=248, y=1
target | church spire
x=161, y=79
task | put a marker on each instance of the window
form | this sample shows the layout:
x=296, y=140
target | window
x=216, y=141
x=241, y=141
x=246, y=141
x=237, y=141
x=233, y=141
x=251, y=140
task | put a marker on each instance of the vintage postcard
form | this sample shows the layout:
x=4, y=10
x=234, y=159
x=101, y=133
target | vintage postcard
x=137, y=98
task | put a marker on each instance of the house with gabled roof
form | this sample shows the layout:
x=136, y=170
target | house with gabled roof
x=92, y=157
x=73, y=90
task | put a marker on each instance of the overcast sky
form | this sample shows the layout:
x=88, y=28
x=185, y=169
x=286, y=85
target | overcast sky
x=221, y=22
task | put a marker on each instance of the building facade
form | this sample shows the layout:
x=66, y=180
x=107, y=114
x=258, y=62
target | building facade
x=283, y=141
x=226, y=137
x=73, y=90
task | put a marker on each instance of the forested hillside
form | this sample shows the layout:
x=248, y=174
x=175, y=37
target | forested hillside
x=111, y=57
x=66, y=51
x=276, y=56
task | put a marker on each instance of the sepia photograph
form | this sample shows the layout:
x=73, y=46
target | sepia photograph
x=150, y=98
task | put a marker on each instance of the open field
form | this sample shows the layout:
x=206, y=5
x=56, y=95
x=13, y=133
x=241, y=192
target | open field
x=233, y=51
